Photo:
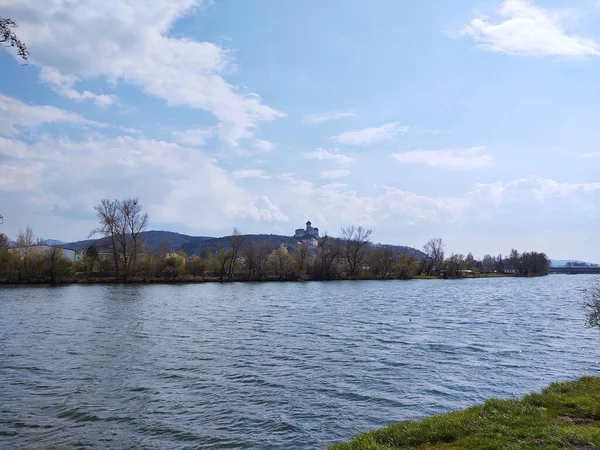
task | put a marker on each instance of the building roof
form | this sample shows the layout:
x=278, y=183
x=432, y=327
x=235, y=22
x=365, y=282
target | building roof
x=47, y=246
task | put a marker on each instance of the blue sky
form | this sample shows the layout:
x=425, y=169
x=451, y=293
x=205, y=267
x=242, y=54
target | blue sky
x=474, y=121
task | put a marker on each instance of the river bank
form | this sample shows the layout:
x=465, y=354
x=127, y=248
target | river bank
x=562, y=416
x=210, y=279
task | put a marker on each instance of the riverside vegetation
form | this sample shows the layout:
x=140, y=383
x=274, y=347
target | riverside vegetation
x=122, y=256
x=562, y=416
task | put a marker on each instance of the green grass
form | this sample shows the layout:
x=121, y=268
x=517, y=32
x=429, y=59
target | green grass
x=562, y=416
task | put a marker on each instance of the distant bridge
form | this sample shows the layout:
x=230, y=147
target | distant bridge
x=575, y=270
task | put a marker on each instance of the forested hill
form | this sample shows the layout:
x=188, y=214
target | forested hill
x=160, y=241
x=153, y=241
x=196, y=247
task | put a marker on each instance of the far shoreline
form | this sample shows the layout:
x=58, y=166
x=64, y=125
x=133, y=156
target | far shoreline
x=212, y=280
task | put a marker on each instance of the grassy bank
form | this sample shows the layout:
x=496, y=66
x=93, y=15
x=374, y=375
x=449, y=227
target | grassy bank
x=562, y=416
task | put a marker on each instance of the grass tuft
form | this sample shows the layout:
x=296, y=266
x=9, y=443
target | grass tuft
x=562, y=416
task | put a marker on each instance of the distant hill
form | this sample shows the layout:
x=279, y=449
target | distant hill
x=53, y=242
x=153, y=240
x=563, y=262
x=194, y=245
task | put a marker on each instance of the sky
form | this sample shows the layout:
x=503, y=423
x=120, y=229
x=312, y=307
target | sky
x=473, y=120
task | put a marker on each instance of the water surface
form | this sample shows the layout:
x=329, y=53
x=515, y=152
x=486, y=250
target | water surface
x=274, y=365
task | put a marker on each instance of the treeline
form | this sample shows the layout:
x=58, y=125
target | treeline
x=457, y=265
x=352, y=255
x=28, y=262
x=579, y=264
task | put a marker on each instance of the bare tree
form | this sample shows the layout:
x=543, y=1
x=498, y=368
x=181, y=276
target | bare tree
x=500, y=263
x=236, y=241
x=196, y=266
x=454, y=266
x=122, y=221
x=381, y=262
x=53, y=258
x=515, y=260
x=487, y=263
x=9, y=38
x=592, y=306
x=135, y=222
x=327, y=254
x=222, y=261
x=406, y=265
x=470, y=262
x=3, y=237
x=280, y=262
x=256, y=255
x=434, y=249
x=302, y=256
x=89, y=259
x=107, y=212
x=534, y=264
x=25, y=241
x=356, y=240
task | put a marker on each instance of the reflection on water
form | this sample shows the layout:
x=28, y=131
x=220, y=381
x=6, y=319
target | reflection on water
x=281, y=365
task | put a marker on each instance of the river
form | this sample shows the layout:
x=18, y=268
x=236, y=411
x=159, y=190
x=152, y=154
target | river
x=274, y=365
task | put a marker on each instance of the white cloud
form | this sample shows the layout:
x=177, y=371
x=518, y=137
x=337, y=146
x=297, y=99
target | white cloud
x=14, y=114
x=263, y=209
x=451, y=159
x=117, y=40
x=327, y=116
x=331, y=174
x=339, y=203
x=529, y=30
x=250, y=173
x=322, y=154
x=369, y=135
x=179, y=185
x=64, y=178
x=19, y=176
x=195, y=137
x=63, y=85
x=529, y=188
x=591, y=155
x=416, y=208
x=130, y=130
x=263, y=146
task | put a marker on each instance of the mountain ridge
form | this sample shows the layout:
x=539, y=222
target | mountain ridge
x=157, y=240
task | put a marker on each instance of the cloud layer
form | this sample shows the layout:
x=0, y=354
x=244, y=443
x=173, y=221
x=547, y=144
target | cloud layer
x=16, y=115
x=119, y=41
x=135, y=101
x=371, y=135
x=334, y=155
x=529, y=30
x=327, y=116
x=451, y=159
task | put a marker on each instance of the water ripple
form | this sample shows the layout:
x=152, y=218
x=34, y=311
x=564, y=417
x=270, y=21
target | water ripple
x=273, y=366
